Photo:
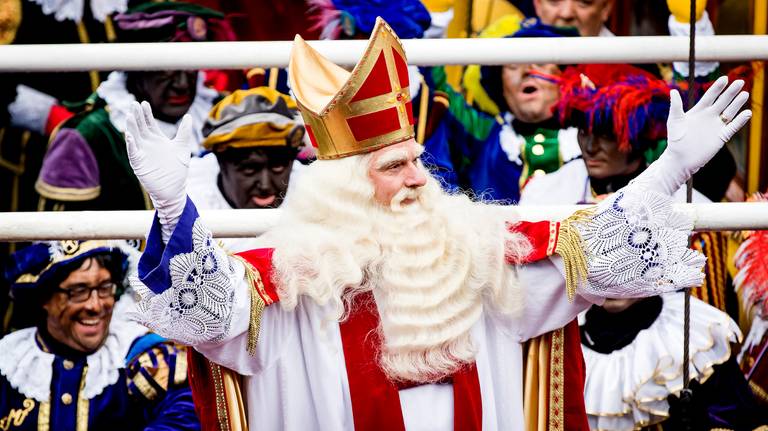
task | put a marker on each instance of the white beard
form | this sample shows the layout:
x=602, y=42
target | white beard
x=432, y=265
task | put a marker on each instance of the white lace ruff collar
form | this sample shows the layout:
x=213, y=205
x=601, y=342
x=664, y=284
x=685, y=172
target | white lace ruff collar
x=29, y=369
x=72, y=10
x=628, y=388
x=119, y=101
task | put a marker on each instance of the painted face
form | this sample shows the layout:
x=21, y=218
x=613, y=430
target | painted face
x=395, y=168
x=255, y=177
x=603, y=157
x=530, y=90
x=83, y=326
x=170, y=93
x=588, y=16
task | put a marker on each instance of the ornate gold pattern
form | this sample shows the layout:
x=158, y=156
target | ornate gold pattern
x=570, y=246
x=556, y=382
x=221, y=401
x=16, y=417
x=324, y=92
x=71, y=250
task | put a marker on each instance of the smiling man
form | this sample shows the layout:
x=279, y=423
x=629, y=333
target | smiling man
x=85, y=167
x=82, y=365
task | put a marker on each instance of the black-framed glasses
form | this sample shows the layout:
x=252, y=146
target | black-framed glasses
x=81, y=292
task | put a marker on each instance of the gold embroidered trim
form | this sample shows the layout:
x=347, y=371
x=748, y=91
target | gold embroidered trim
x=259, y=300
x=552, y=238
x=83, y=405
x=44, y=417
x=758, y=391
x=421, y=129
x=66, y=194
x=144, y=387
x=10, y=19
x=556, y=392
x=570, y=246
x=16, y=417
x=221, y=402
x=180, y=374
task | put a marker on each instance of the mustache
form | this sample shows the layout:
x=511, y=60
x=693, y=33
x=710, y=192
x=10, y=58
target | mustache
x=404, y=194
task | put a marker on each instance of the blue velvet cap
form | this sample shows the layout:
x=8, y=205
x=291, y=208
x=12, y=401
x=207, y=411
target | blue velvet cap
x=533, y=27
x=31, y=267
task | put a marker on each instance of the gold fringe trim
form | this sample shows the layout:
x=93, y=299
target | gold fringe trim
x=258, y=293
x=570, y=246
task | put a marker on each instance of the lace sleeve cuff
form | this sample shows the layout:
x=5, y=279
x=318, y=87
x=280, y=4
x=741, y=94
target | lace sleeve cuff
x=633, y=244
x=188, y=288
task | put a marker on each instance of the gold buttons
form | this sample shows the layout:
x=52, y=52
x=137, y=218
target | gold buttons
x=66, y=398
x=68, y=365
x=537, y=150
x=539, y=138
x=539, y=172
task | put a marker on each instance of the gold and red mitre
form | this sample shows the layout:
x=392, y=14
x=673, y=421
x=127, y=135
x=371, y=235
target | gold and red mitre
x=348, y=113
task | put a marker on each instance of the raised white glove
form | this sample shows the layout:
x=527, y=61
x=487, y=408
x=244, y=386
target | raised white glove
x=160, y=164
x=694, y=137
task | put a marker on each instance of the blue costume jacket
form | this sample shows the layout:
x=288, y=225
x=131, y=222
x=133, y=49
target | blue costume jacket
x=47, y=386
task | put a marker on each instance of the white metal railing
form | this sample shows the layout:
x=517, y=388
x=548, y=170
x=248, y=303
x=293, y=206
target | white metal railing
x=30, y=226
x=421, y=52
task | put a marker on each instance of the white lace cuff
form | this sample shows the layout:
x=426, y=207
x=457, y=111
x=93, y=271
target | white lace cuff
x=187, y=289
x=636, y=245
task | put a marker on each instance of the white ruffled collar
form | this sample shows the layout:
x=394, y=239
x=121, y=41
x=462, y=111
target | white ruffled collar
x=628, y=388
x=119, y=101
x=29, y=369
x=72, y=10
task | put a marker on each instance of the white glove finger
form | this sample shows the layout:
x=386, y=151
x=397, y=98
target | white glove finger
x=734, y=126
x=728, y=95
x=186, y=134
x=730, y=112
x=135, y=155
x=675, y=105
x=149, y=119
x=138, y=118
x=709, y=97
x=131, y=133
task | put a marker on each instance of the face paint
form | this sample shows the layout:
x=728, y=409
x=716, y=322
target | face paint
x=170, y=93
x=255, y=177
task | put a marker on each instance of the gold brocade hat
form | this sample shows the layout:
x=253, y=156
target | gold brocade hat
x=348, y=113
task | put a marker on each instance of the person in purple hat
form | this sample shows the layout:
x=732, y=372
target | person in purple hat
x=86, y=166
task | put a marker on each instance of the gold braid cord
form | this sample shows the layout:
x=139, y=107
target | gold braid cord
x=570, y=246
x=257, y=303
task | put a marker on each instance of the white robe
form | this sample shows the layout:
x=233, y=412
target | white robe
x=298, y=381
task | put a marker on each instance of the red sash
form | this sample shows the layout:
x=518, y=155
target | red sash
x=375, y=399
